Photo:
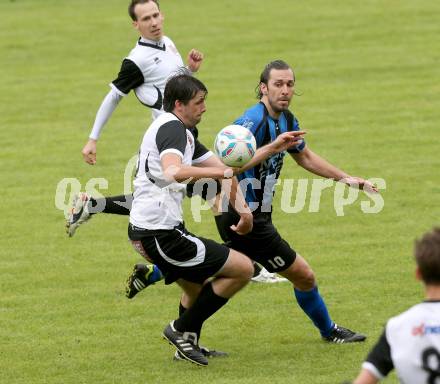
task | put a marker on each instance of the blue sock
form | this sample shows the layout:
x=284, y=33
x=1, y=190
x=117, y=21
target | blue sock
x=313, y=305
x=155, y=275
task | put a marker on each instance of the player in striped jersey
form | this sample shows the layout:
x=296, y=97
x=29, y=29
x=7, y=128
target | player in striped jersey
x=268, y=119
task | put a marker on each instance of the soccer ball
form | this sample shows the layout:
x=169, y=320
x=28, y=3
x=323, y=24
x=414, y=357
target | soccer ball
x=235, y=145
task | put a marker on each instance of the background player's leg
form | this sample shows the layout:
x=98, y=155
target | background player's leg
x=117, y=205
x=307, y=295
x=84, y=206
x=143, y=275
x=312, y=303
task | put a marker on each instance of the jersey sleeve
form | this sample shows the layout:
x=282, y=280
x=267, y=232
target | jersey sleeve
x=255, y=119
x=379, y=361
x=171, y=138
x=255, y=124
x=106, y=109
x=201, y=153
x=293, y=125
x=247, y=122
x=129, y=77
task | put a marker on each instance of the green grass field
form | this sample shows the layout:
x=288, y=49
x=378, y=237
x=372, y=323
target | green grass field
x=368, y=77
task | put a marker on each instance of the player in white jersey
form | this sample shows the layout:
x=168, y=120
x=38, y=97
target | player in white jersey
x=410, y=342
x=169, y=156
x=145, y=70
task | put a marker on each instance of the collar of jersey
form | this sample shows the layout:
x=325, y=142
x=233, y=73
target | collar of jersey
x=152, y=44
x=267, y=112
x=177, y=117
x=194, y=131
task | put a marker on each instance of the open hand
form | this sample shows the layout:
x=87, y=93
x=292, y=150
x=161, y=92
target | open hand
x=360, y=183
x=287, y=140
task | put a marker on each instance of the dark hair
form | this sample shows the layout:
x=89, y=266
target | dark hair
x=427, y=255
x=136, y=2
x=182, y=87
x=264, y=77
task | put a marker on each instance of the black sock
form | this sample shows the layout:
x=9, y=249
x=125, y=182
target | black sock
x=257, y=269
x=182, y=309
x=118, y=205
x=206, y=304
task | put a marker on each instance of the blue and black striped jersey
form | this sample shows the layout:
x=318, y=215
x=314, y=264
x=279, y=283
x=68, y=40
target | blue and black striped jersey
x=259, y=182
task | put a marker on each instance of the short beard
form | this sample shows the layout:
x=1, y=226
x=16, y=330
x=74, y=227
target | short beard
x=276, y=109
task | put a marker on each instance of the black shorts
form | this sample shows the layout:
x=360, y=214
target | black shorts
x=263, y=245
x=179, y=254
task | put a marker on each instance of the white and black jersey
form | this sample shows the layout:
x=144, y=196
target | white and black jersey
x=410, y=343
x=157, y=203
x=146, y=71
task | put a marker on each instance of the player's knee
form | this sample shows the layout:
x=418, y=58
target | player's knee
x=249, y=270
x=239, y=268
x=301, y=274
x=304, y=278
x=246, y=269
x=187, y=300
x=308, y=278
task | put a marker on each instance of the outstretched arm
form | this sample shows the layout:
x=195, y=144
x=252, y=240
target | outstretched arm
x=280, y=144
x=314, y=163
